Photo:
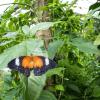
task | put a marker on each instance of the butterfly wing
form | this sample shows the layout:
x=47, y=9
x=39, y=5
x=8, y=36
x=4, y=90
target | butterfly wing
x=24, y=64
x=16, y=64
x=47, y=64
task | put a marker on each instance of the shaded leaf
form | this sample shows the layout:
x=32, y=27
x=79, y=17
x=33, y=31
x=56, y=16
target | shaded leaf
x=74, y=88
x=96, y=91
x=46, y=95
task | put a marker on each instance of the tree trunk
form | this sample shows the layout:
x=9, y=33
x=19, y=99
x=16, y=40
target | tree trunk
x=43, y=34
x=43, y=17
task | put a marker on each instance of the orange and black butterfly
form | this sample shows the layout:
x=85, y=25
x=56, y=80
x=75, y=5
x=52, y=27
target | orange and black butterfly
x=25, y=64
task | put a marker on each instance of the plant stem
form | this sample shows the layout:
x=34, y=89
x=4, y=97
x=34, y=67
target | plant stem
x=62, y=81
x=26, y=90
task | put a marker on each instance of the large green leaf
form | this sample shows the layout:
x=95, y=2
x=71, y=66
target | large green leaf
x=35, y=86
x=46, y=95
x=12, y=90
x=41, y=26
x=84, y=45
x=25, y=48
x=53, y=47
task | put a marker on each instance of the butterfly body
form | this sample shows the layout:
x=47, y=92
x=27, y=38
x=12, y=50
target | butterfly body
x=25, y=64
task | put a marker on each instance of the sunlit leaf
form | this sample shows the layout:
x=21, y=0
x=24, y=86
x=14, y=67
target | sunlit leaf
x=10, y=34
x=35, y=86
x=55, y=71
x=25, y=48
x=97, y=41
x=94, y=6
x=84, y=46
x=11, y=25
x=96, y=15
x=40, y=26
x=59, y=87
x=26, y=29
x=53, y=47
x=4, y=43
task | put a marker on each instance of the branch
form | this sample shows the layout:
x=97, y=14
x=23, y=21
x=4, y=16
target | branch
x=14, y=4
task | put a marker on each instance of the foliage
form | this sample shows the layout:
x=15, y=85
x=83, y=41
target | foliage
x=73, y=46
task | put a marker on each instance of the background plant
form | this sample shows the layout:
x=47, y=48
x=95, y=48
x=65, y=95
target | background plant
x=72, y=47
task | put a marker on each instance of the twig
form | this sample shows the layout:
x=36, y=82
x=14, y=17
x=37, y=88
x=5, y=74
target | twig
x=14, y=4
x=7, y=9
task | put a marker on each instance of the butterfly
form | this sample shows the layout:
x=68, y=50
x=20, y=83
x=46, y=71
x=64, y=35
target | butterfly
x=25, y=64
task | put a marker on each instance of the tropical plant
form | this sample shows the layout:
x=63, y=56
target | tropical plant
x=50, y=28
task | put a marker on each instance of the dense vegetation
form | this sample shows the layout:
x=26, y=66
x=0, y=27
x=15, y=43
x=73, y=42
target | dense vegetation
x=74, y=44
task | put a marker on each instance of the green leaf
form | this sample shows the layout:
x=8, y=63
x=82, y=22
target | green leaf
x=26, y=29
x=10, y=95
x=41, y=26
x=97, y=41
x=72, y=97
x=35, y=86
x=96, y=15
x=11, y=25
x=96, y=91
x=25, y=48
x=59, y=87
x=74, y=88
x=94, y=6
x=5, y=43
x=10, y=35
x=46, y=95
x=55, y=71
x=84, y=45
x=53, y=47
